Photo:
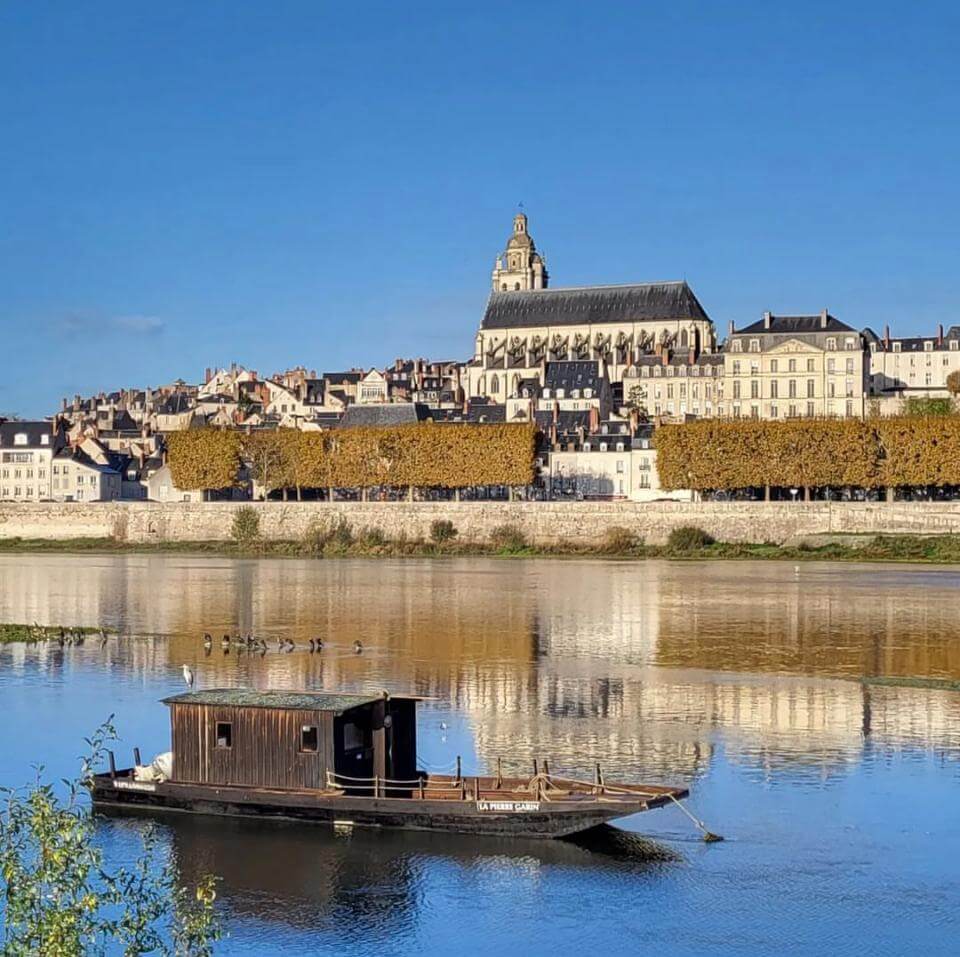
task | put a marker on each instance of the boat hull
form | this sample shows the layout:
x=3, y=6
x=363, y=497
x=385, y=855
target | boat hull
x=527, y=818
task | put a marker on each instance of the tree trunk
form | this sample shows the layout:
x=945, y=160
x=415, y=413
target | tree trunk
x=891, y=494
x=284, y=493
x=456, y=495
x=806, y=493
x=299, y=494
x=766, y=493
x=410, y=494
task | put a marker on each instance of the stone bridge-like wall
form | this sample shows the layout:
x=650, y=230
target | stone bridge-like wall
x=542, y=522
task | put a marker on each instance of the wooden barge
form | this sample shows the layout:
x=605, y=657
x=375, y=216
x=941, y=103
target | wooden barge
x=349, y=759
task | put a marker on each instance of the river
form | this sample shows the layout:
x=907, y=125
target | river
x=838, y=799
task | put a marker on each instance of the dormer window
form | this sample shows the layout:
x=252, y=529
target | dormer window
x=603, y=446
x=20, y=438
x=736, y=346
x=850, y=343
x=588, y=393
x=927, y=346
x=754, y=345
x=586, y=446
x=896, y=347
x=546, y=393
x=604, y=429
x=953, y=345
x=574, y=393
x=832, y=342
x=44, y=439
x=619, y=446
x=560, y=393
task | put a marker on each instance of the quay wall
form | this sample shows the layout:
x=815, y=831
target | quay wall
x=543, y=522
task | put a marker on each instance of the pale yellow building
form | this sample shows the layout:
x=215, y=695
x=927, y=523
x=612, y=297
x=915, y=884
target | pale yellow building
x=793, y=366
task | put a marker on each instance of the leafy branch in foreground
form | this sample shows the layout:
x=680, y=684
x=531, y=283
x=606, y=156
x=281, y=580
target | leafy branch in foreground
x=57, y=898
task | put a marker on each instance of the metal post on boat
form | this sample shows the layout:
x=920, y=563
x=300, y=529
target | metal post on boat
x=598, y=778
x=458, y=768
x=536, y=769
x=113, y=765
x=376, y=785
x=546, y=770
x=499, y=773
x=421, y=788
x=476, y=789
x=136, y=757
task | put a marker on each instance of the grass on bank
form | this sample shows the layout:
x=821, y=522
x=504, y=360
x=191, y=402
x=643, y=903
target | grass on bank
x=32, y=634
x=340, y=539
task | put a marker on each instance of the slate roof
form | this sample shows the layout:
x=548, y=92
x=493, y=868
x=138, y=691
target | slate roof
x=574, y=374
x=174, y=404
x=80, y=457
x=34, y=431
x=383, y=414
x=794, y=325
x=591, y=304
x=286, y=700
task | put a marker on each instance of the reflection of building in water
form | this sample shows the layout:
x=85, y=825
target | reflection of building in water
x=640, y=665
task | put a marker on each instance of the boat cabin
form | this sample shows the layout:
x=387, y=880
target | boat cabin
x=291, y=740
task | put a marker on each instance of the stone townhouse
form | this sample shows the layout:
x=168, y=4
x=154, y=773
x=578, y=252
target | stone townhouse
x=788, y=366
x=916, y=367
x=27, y=451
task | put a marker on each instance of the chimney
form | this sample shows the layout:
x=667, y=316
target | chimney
x=939, y=335
x=886, y=337
x=767, y=319
x=594, y=418
x=824, y=316
x=63, y=404
x=730, y=328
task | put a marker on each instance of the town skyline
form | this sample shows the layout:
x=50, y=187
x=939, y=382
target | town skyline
x=280, y=188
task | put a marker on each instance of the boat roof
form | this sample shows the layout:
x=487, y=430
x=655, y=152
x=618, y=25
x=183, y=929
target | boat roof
x=287, y=700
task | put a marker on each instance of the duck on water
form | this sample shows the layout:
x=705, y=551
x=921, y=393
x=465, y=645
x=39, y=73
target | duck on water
x=349, y=759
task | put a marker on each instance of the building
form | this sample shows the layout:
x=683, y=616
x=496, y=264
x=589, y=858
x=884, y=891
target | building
x=27, y=450
x=910, y=368
x=614, y=460
x=79, y=476
x=527, y=325
x=790, y=366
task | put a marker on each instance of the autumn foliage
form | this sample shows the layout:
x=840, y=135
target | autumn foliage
x=427, y=455
x=750, y=453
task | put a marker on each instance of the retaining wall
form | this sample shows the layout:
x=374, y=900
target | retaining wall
x=543, y=522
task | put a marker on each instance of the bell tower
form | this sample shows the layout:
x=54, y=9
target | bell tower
x=520, y=266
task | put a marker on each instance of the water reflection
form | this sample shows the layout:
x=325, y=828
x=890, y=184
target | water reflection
x=639, y=666
x=739, y=677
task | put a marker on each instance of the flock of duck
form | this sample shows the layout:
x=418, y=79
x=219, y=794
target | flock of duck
x=64, y=637
x=251, y=644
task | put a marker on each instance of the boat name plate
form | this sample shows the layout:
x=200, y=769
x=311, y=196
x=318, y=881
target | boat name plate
x=134, y=786
x=510, y=806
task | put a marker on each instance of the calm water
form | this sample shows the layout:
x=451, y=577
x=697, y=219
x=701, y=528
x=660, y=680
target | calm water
x=839, y=801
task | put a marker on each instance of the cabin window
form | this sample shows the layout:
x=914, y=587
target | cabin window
x=224, y=734
x=309, y=740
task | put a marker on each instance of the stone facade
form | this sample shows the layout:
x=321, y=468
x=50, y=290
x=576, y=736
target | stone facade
x=542, y=522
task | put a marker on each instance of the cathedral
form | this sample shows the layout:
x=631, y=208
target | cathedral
x=527, y=324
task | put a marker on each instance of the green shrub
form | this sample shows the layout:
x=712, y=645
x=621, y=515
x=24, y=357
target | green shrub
x=618, y=540
x=246, y=525
x=508, y=538
x=374, y=537
x=688, y=538
x=442, y=530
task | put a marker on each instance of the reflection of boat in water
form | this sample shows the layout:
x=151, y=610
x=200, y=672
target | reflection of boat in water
x=349, y=759
x=301, y=876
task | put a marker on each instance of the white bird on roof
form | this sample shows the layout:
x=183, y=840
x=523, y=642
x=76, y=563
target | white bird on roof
x=188, y=675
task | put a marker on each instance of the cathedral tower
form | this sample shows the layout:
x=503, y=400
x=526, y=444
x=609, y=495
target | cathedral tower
x=519, y=266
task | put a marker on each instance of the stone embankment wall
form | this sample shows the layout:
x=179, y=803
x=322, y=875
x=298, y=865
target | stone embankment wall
x=543, y=522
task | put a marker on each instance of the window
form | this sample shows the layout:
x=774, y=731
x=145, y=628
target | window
x=44, y=439
x=754, y=345
x=620, y=462
x=736, y=346
x=792, y=388
x=810, y=410
x=927, y=346
x=773, y=412
x=309, y=739
x=849, y=344
x=849, y=367
x=773, y=390
x=896, y=347
x=754, y=368
x=224, y=735
x=849, y=408
x=831, y=365
x=754, y=389
x=810, y=366
x=353, y=737
x=736, y=368
x=954, y=345
x=792, y=365
x=810, y=388
x=20, y=438
x=831, y=343
x=736, y=390
x=773, y=365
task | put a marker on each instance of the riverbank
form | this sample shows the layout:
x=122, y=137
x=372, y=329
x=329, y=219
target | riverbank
x=937, y=549
x=36, y=634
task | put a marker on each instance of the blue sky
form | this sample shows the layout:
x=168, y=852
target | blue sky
x=186, y=184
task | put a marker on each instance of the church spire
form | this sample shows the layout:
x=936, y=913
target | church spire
x=520, y=266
